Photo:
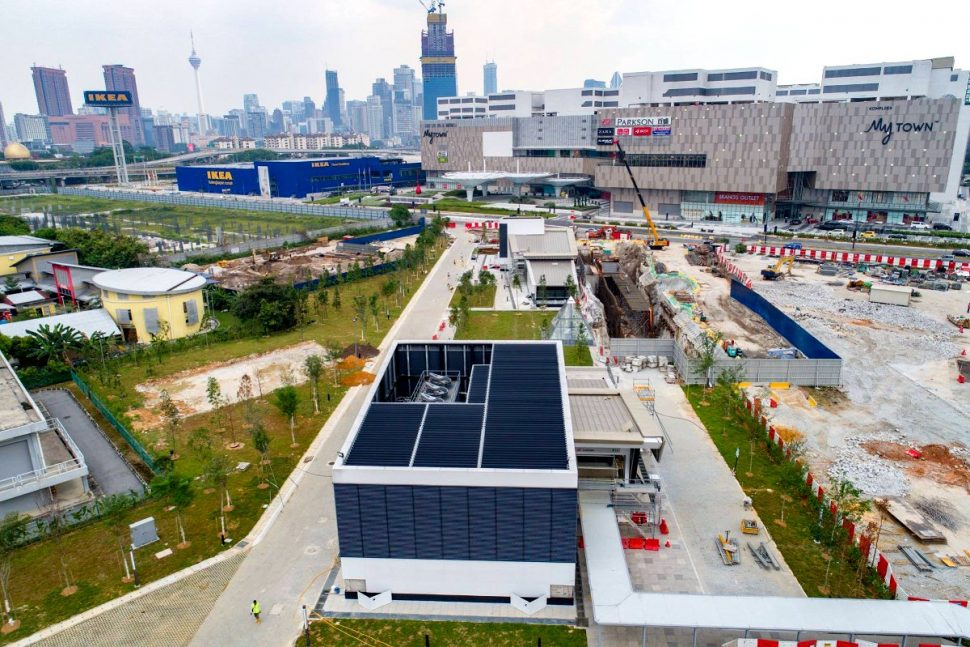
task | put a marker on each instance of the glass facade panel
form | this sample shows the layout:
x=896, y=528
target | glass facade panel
x=675, y=78
x=855, y=71
x=852, y=87
x=898, y=69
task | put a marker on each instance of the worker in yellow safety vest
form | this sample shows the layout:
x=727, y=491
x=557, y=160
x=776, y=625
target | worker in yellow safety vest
x=255, y=610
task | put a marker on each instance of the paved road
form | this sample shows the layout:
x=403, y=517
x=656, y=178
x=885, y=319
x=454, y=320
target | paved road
x=287, y=568
x=109, y=470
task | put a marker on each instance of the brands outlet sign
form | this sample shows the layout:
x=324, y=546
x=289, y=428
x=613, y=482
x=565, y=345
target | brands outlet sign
x=633, y=127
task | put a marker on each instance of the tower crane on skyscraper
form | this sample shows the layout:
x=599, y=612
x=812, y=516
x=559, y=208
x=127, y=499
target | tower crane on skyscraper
x=436, y=5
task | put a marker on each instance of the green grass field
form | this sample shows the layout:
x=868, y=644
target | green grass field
x=339, y=632
x=91, y=552
x=482, y=297
x=187, y=224
x=764, y=479
x=509, y=324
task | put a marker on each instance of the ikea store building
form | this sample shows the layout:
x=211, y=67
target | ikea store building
x=298, y=178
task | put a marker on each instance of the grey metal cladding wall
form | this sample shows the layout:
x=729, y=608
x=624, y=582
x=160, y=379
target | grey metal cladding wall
x=456, y=523
x=831, y=139
x=560, y=132
x=637, y=346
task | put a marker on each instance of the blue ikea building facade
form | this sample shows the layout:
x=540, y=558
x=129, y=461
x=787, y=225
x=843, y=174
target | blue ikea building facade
x=298, y=178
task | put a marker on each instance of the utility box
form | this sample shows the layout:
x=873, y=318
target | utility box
x=892, y=294
x=143, y=532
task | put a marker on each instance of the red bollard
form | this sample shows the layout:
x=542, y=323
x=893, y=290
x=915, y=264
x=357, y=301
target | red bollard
x=664, y=530
x=961, y=379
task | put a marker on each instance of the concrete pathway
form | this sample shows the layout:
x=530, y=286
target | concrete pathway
x=288, y=566
x=110, y=471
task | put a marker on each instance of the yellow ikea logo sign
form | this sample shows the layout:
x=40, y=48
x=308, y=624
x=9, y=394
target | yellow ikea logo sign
x=106, y=98
x=319, y=164
x=218, y=175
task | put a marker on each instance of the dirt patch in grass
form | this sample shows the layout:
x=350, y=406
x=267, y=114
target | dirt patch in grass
x=268, y=371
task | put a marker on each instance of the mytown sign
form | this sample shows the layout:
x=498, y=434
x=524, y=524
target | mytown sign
x=888, y=127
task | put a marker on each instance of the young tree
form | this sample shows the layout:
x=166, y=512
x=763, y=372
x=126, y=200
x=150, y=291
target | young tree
x=541, y=291
x=360, y=313
x=571, y=289
x=173, y=419
x=849, y=502
x=582, y=339
x=55, y=528
x=286, y=399
x=313, y=367
x=200, y=442
x=331, y=355
x=516, y=282
x=336, y=297
x=216, y=472
x=708, y=356
x=13, y=530
x=244, y=394
x=112, y=512
x=261, y=443
x=322, y=299
x=374, y=307
x=177, y=492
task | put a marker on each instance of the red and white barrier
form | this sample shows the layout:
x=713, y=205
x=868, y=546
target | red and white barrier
x=856, y=534
x=855, y=257
x=732, y=269
x=478, y=224
x=761, y=642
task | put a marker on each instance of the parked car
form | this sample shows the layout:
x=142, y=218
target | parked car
x=896, y=236
x=793, y=246
x=868, y=234
x=941, y=226
x=961, y=252
x=923, y=226
x=794, y=222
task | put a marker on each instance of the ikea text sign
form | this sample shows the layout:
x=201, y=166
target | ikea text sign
x=108, y=98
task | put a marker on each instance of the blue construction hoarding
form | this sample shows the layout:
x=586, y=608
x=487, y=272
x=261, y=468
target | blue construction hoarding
x=784, y=325
x=298, y=178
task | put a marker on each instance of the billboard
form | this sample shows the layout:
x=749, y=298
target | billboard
x=262, y=173
x=108, y=98
x=642, y=131
x=624, y=132
x=643, y=121
x=604, y=141
x=605, y=132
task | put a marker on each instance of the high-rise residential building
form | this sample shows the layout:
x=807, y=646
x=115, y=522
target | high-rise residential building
x=53, y=95
x=3, y=128
x=331, y=104
x=250, y=103
x=164, y=138
x=382, y=89
x=437, y=62
x=357, y=116
x=343, y=107
x=490, y=71
x=375, y=117
x=404, y=83
x=32, y=129
x=119, y=77
x=309, y=108
x=256, y=124
x=231, y=126
x=195, y=61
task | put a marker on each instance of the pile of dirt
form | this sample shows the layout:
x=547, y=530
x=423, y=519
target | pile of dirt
x=363, y=351
x=358, y=378
x=935, y=462
x=350, y=363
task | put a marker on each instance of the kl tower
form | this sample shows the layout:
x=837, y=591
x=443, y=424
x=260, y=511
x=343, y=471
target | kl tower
x=195, y=62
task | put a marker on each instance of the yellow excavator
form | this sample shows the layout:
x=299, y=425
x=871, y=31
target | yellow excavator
x=775, y=272
x=656, y=242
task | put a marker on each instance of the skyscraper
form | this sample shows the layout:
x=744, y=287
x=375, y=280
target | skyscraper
x=195, y=62
x=404, y=84
x=331, y=105
x=382, y=89
x=491, y=78
x=119, y=77
x=616, y=81
x=250, y=103
x=53, y=95
x=375, y=118
x=357, y=116
x=3, y=128
x=437, y=62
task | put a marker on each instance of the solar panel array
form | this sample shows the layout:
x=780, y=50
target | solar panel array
x=524, y=428
x=450, y=436
x=478, y=383
x=386, y=435
x=524, y=425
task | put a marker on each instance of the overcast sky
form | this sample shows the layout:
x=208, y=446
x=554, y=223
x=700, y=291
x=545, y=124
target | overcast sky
x=280, y=48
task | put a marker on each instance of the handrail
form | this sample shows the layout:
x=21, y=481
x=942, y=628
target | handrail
x=35, y=476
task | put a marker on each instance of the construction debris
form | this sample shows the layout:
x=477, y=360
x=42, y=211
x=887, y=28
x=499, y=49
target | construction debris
x=914, y=522
x=764, y=557
x=917, y=559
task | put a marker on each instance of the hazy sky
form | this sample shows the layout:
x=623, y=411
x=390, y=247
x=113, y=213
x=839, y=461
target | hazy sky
x=280, y=48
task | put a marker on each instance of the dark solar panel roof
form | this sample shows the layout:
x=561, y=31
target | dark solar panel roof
x=451, y=436
x=387, y=435
x=524, y=427
x=478, y=383
x=524, y=423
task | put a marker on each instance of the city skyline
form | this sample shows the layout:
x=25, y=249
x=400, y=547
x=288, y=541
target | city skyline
x=617, y=40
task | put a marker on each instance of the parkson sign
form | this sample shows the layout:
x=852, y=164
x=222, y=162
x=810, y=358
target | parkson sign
x=887, y=128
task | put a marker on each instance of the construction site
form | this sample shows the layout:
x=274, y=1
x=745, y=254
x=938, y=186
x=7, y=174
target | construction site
x=893, y=422
x=301, y=265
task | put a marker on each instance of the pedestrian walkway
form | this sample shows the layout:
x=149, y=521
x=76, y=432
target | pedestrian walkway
x=167, y=617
